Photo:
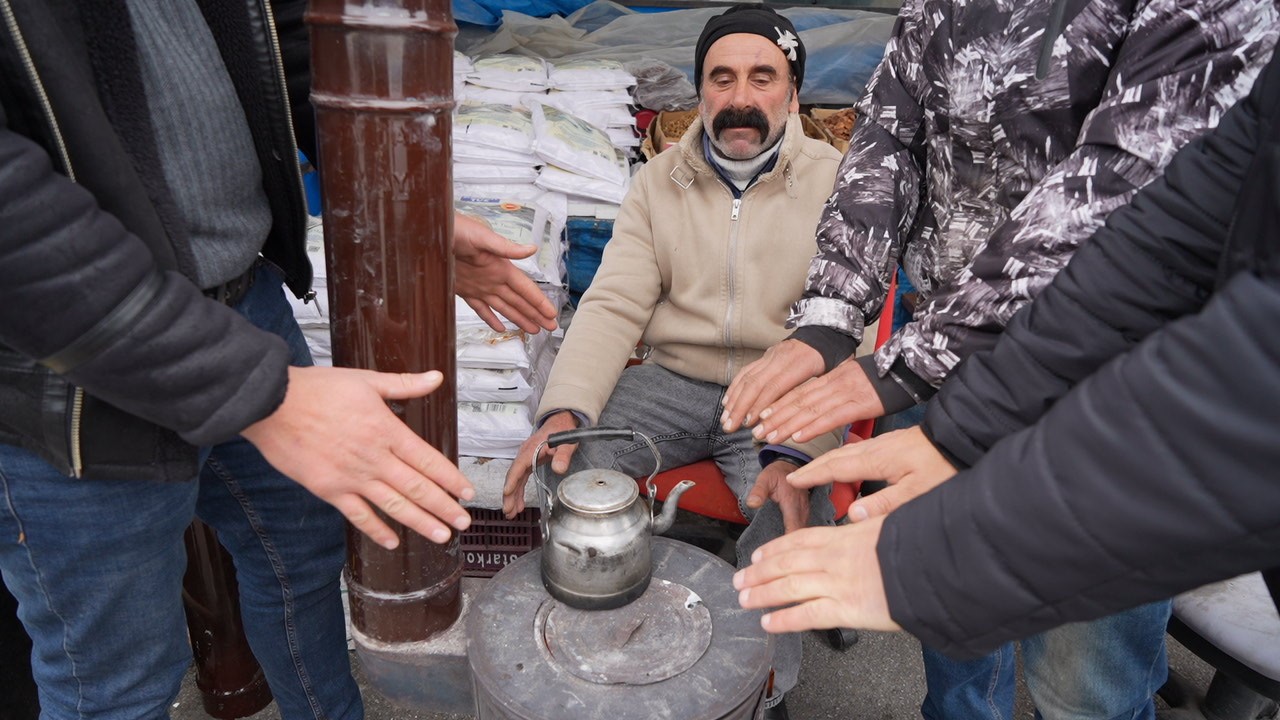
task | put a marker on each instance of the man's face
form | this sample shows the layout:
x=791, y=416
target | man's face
x=746, y=95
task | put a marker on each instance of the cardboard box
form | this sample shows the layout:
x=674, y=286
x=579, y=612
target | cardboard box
x=822, y=114
x=657, y=139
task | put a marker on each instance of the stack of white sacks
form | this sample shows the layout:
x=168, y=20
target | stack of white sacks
x=579, y=131
x=501, y=374
x=599, y=92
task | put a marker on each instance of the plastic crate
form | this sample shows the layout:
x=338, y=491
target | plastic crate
x=493, y=541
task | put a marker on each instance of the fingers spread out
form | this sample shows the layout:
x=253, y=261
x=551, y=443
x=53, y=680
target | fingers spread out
x=817, y=614
x=388, y=498
x=486, y=314
x=357, y=512
x=848, y=463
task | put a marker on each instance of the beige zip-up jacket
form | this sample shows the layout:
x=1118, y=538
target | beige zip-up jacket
x=702, y=279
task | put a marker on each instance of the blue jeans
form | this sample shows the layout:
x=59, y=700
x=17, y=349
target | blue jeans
x=97, y=568
x=1108, y=668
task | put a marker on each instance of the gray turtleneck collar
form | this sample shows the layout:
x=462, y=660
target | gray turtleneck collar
x=741, y=173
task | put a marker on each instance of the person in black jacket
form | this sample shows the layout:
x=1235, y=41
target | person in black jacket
x=151, y=369
x=1118, y=444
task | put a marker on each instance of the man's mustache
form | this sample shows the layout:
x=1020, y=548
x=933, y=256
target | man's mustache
x=740, y=118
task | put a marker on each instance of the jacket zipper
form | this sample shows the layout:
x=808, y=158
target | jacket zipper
x=77, y=398
x=273, y=39
x=733, y=291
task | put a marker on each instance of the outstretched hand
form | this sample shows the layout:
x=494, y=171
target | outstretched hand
x=487, y=280
x=335, y=436
x=758, y=385
x=518, y=474
x=821, y=578
x=838, y=398
x=904, y=458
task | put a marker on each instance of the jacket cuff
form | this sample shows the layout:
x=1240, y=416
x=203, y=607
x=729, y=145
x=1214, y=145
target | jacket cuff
x=583, y=420
x=770, y=453
x=951, y=457
x=834, y=346
x=898, y=389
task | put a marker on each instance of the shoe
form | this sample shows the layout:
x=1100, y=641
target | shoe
x=777, y=712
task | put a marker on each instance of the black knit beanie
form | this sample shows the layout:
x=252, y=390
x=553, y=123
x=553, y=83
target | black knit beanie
x=757, y=20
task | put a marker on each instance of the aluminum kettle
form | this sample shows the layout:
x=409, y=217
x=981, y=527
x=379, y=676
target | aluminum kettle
x=597, y=531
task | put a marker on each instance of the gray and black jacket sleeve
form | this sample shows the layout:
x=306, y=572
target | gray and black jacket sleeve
x=1128, y=419
x=85, y=297
x=1171, y=80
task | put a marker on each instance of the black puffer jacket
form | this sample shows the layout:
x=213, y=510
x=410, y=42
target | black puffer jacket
x=112, y=363
x=1125, y=431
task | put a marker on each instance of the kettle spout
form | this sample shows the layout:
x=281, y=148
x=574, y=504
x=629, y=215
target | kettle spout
x=662, y=523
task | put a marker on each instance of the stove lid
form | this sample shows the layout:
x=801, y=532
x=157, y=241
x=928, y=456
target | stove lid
x=660, y=635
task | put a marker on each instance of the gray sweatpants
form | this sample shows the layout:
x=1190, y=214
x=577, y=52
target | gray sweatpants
x=682, y=417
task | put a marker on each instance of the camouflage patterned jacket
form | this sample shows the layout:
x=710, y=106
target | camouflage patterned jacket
x=994, y=138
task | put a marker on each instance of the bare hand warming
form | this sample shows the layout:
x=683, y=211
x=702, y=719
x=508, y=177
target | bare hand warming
x=518, y=475
x=841, y=397
x=904, y=458
x=756, y=386
x=487, y=280
x=821, y=578
x=335, y=436
x=772, y=484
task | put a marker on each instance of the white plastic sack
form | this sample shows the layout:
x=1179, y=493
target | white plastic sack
x=466, y=152
x=490, y=96
x=559, y=180
x=509, y=72
x=578, y=100
x=527, y=192
x=525, y=223
x=486, y=349
x=589, y=75
x=496, y=126
x=570, y=143
x=461, y=64
x=469, y=172
x=601, y=116
x=492, y=429
x=482, y=385
x=623, y=137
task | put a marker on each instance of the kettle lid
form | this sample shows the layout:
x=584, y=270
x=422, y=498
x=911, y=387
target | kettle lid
x=598, y=491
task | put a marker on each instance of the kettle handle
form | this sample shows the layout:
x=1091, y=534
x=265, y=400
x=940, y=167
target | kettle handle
x=596, y=433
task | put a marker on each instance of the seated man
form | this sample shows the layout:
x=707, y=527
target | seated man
x=710, y=247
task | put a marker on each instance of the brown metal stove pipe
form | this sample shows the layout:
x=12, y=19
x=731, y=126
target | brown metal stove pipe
x=382, y=87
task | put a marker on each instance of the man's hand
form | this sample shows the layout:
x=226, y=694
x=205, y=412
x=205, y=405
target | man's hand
x=840, y=397
x=487, y=280
x=904, y=458
x=821, y=577
x=335, y=436
x=772, y=484
x=518, y=475
x=757, y=385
